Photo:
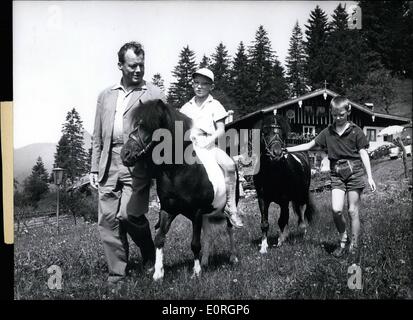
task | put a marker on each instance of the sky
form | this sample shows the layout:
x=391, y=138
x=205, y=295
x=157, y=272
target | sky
x=65, y=52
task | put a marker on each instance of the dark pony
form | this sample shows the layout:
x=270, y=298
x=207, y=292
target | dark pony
x=281, y=177
x=183, y=188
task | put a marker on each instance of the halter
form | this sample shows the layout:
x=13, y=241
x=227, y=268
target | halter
x=276, y=128
x=137, y=138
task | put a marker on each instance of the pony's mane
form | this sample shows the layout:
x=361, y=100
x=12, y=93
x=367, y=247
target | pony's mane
x=155, y=114
x=281, y=121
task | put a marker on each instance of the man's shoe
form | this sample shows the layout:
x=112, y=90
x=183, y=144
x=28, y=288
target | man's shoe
x=113, y=279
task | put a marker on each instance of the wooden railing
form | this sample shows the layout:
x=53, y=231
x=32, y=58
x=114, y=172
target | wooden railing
x=40, y=221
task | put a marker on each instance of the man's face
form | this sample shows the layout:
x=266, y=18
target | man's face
x=202, y=86
x=339, y=115
x=133, y=68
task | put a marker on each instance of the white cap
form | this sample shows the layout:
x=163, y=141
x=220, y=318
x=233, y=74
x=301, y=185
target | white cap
x=204, y=72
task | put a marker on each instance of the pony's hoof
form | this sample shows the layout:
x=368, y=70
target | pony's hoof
x=264, y=247
x=280, y=243
x=197, y=269
x=263, y=250
x=158, y=275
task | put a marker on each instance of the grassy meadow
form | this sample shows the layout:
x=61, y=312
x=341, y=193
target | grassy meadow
x=301, y=269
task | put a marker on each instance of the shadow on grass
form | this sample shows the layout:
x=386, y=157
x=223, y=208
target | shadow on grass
x=329, y=246
x=216, y=261
x=293, y=238
x=219, y=260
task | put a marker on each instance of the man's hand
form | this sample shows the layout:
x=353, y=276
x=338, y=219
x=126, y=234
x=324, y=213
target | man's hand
x=93, y=178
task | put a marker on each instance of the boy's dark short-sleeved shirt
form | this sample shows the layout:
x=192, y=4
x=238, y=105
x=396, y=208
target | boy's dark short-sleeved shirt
x=346, y=146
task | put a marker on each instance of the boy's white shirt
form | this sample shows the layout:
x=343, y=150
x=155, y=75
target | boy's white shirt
x=205, y=116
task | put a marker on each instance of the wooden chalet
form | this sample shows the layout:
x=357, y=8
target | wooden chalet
x=309, y=114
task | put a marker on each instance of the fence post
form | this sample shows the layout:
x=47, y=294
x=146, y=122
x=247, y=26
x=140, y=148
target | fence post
x=57, y=211
x=398, y=142
x=230, y=116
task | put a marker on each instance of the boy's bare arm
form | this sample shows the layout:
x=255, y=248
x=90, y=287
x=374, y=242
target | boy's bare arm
x=220, y=130
x=302, y=147
x=210, y=140
x=366, y=162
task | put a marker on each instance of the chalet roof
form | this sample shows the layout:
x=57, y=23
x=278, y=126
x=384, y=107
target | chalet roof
x=82, y=182
x=316, y=93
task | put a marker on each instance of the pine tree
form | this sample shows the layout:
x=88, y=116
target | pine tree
x=378, y=88
x=158, y=81
x=346, y=54
x=240, y=82
x=89, y=158
x=316, y=32
x=70, y=154
x=339, y=52
x=387, y=30
x=220, y=67
x=267, y=74
x=35, y=186
x=406, y=59
x=295, y=63
x=205, y=62
x=181, y=91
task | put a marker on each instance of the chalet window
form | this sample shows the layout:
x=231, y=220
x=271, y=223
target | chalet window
x=308, y=109
x=308, y=131
x=371, y=135
x=320, y=111
x=388, y=138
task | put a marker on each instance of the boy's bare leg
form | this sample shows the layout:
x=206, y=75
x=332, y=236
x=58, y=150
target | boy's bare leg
x=337, y=201
x=228, y=166
x=353, y=212
x=231, y=207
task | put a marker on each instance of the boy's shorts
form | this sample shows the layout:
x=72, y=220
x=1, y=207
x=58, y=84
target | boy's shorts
x=355, y=181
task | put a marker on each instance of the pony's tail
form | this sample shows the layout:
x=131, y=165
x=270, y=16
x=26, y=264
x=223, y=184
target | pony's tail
x=310, y=211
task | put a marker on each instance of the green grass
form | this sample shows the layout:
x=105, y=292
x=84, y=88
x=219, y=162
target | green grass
x=300, y=269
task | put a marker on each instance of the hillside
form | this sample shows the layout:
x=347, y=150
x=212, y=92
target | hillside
x=402, y=104
x=25, y=158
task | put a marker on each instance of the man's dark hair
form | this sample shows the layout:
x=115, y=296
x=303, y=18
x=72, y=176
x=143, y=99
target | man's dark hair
x=135, y=46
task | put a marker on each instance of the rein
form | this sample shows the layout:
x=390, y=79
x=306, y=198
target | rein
x=139, y=140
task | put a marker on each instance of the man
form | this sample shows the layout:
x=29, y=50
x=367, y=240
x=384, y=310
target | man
x=123, y=192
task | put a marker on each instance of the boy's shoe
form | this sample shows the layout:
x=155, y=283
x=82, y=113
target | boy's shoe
x=340, y=251
x=234, y=219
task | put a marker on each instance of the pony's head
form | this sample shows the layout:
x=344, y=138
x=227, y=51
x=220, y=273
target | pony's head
x=274, y=132
x=149, y=117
